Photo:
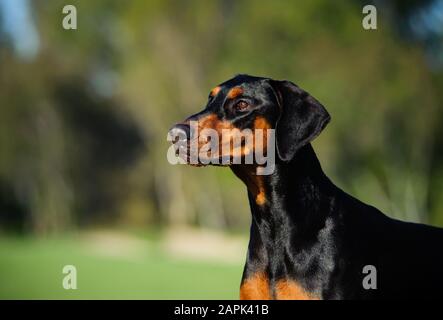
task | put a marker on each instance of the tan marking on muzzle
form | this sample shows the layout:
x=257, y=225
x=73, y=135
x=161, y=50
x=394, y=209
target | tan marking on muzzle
x=260, y=122
x=230, y=139
x=212, y=121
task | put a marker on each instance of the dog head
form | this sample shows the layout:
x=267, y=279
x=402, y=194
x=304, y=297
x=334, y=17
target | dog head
x=245, y=106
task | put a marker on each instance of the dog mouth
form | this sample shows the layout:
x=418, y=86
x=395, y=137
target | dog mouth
x=184, y=153
x=203, y=150
x=194, y=157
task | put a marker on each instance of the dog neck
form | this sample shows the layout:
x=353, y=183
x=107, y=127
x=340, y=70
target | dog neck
x=295, y=196
x=292, y=219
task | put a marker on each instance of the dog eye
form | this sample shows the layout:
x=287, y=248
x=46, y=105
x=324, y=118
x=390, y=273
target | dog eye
x=241, y=105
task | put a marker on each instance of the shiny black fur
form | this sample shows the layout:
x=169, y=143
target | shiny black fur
x=309, y=230
x=314, y=233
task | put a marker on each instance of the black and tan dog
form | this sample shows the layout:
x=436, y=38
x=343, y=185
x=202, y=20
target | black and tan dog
x=308, y=238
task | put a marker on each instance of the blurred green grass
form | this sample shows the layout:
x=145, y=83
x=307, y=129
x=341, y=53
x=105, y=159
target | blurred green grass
x=32, y=269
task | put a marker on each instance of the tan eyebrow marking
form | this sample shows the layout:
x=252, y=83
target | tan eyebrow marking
x=235, y=92
x=215, y=91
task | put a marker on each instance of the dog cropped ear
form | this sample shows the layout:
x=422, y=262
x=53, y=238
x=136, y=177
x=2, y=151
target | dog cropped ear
x=302, y=118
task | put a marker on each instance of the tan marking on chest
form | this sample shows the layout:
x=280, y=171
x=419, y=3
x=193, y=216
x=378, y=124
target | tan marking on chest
x=255, y=287
x=260, y=199
x=254, y=182
x=260, y=195
x=291, y=290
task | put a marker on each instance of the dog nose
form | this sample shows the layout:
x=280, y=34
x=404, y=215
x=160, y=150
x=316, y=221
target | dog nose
x=180, y=132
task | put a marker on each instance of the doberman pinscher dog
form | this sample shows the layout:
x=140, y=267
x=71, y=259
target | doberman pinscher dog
x=308, y=238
